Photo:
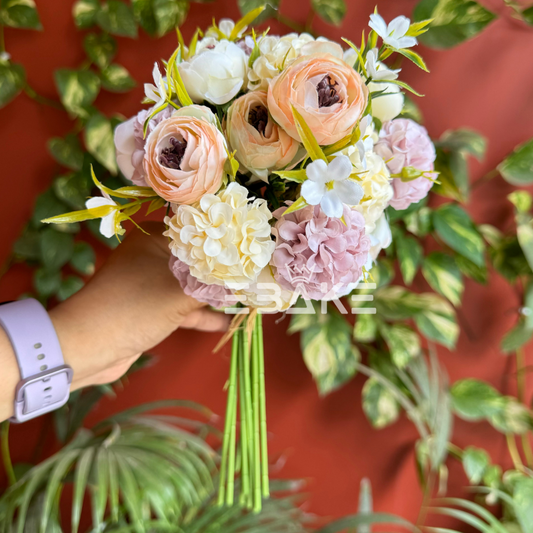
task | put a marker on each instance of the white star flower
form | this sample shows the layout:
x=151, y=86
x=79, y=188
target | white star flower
x=157, y=93
x=393, y=34
x=109, y=225
x=376, y=70
x=329, y=186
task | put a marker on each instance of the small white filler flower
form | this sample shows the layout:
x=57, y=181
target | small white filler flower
x=393, y=34
x=329, y=186
x=110, y=223
x=158, y=92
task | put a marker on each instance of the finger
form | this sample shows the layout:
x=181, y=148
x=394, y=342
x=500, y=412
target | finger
x=206, y=320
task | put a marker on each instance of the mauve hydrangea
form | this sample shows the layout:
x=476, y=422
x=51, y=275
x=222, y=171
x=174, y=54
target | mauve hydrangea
x=130, y=142
x=318, y=254
x=404, y=143
x=213, y=295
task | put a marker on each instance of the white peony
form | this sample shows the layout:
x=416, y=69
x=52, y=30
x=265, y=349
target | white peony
x=276, y=53
x=386, y=107
x=216, y=74
x=381, y=237
x=225, y=238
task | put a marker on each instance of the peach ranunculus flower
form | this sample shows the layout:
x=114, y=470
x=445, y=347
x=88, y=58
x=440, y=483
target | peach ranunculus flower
x=260, y=143
x=185, y=155
x=330, y=96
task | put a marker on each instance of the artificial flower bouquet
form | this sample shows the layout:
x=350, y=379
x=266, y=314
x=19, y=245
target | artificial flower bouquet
x=273, y=160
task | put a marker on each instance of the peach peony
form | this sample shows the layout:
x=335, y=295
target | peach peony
x=260, y=143
x=185, y=155
x=329, y=95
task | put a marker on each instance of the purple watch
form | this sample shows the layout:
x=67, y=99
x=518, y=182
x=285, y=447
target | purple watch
x=45, y=378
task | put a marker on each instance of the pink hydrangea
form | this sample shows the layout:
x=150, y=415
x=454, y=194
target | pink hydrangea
x=404, y=143
x=130, y=141
x=213, y=295
x=318, y=254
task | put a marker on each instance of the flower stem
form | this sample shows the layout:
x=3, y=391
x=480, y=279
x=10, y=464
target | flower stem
x=520, y=375
x=249, y=416
x=42, y=99
x=513, y=451
x=233, y=428
x=229, y=417
x=262, y=400
x=2, y=39
x=6, y=456
x=245, y=448
x=257, y=432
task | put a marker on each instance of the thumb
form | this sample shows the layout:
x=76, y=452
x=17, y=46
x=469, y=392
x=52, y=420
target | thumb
x=206, y=320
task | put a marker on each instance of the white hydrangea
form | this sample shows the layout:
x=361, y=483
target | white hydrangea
x=225, y=238
x=276, y=52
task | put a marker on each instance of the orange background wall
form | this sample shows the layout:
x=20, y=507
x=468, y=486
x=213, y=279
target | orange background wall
x=485, y=84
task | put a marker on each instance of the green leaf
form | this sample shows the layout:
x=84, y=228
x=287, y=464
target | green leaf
x=522, y=498
x=471, y=270
x=20, y=14
x=117, y=79
x=245, y=6
x=517, y=168
x=454, y=21
x=56, y=248
x=99, y=141
x=27, y=245
x=327, y=348
x=464, y=140
x=475, y=462
x=475, y=400
x=73, y=189
x=441, y=272
x=84, y=13
x=12, y=81
x=69, y=286
x=403, y=343
x=396, y=303
x=411, y=110
x=117, y=18
x=83, y=259
x=332, y=11
x=365, y=328
x=67, y=151
x=77, y=89
x=528, y=15
x=419, y=222
x=453, y=180
x=46, y=282
x=144, y=14
x=308, y=139
x=454, y=226
x=379, y=404
x=414, y=57
x=169, y=14
x=47, y=205
x=437, y=320
x=100, y=48
x=517, y=337
x=410, y=254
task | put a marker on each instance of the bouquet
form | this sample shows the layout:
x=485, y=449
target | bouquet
x=273, y=160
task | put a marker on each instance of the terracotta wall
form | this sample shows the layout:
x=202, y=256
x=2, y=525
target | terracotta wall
x=485, y=84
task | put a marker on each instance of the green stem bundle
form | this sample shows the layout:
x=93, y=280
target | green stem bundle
x=246, y=389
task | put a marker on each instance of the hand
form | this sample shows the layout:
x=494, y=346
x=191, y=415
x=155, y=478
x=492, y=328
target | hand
x=132, y=304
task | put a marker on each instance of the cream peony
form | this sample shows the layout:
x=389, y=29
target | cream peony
x=225, y=239
x=329, y=95
x=185, y=155
x=376, y=184
x=260, y=143
x=275, y=53
x=389, y=106
x=215, y=74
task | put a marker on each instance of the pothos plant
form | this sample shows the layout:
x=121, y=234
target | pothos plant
x=163, y=481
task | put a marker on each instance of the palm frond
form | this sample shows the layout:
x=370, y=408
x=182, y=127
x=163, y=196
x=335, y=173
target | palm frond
x=134, y=467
